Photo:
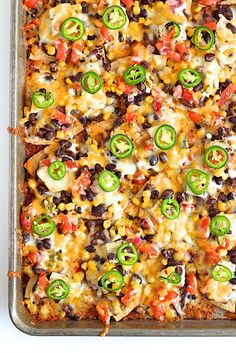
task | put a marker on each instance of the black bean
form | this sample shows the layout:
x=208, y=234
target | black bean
x=153, y=161
x=120, y=37
x=33, y=118
x=90, y=195
x=85, y=7
x=233, y=280
x=216, y=14
x=232, y=109
x=232, y=252
x=163, y=157
x=66, y=196
x=143, y=13
x=199, y=87
x=212, y=212
x=206, y=36
x=117, y=122
x=173, y=263
x=102, y=260
x=145, y=64
x=29, y=196
x=118, y=174
x=65, y=143
x=187, y=103
x=53, y=67
x=120, y=269
x=90, y=248
x=98, y=168
x=96, y=258
x=47, y=243
x=167, y=194
x=168, y=89
x=234, y=128
x=209, y=57
x=92, y=37
x=231, y=27
x=43, y=90
x=183, y=298
x=168, y=253
x=179, y=270
x=149, y=237
x=233, y=260
x=98, y=210
x=26, y=237
x=146, y=125
x=110, y=166
x=230, y=196
x=39, y=245
x=218, y=180
x=223, y=197
x=182, y=196
x=42, y=189
x=111, y=256
x=155, y=194
x=227, y=12
x=56, y=200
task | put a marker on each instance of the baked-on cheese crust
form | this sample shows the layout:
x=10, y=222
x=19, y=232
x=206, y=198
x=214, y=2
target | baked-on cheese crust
x=91, y=223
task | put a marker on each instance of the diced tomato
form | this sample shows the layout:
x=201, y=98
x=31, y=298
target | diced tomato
x=26, y=219
x=34, y=257
x=149, y=249
x=128, y=3
x=67, y=223
x=123, y=86
x=157, y=104
x=191, y=283
x=170, y=296
x=139, y=178
x=62, y=50
x=129, y=297
x=161, y=47
x=71, y=164
x=204, y=223
x=29, y=26
x=209, y=2
x=45, y=162
x=187, y=207
x=195, y=117
x=211, y=25
x=148, y=146
x=31, y=4
x=103, y=313
x=81, y=183
x=187, y=94
x=157, y=309
x=61, y=117
x=131, y=117
x=212, y=255
x=225, y=245
x=104, y=33
x=184, y=51
x=76, y=50
x=43, y=282
x=225, y=95
x=172, y=55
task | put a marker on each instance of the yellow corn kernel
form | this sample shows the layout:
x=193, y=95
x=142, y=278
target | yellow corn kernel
x=26, y=110
x=201, y=133
x=68, y=81
x=221, y=206
x=140, y=119
x=60, y=135
x=98, y=199
x=79, y=276
x=136, y=8
x=149, y=99
x=32, y=183
x=61, y=64
x=136, y=201
x=169, y=314
x=107, y=223
x=69, y=206
x=61, y=206
x=92, y=266
x=84, y=266
x=121, y=231
x=119, y=92
x=167, y=80
x=145, y=21
x=195, y=218
x=137, y=267
x=190, y=32
x=178, y=256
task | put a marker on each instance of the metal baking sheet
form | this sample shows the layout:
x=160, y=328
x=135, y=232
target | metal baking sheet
x=19, y=315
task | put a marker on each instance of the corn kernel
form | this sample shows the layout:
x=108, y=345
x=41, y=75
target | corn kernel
x=84, y=266
x=61, y=206
x=136, y=201
x=136, y=8
x=70, y=206
x=107, y=224
x=221, y=206
x=195, y=218
x=137, y=267
x=201, y=133
x=60, y=135
x=32, y=183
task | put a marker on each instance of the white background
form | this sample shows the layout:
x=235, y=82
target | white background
x=13, y=340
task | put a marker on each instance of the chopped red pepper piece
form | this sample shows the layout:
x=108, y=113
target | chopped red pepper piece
x=225, y=95
x=195, y=117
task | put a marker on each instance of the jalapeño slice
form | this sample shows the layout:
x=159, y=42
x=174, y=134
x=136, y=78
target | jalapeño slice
x=57, y=290
x=189, y=78
x=203, y=38
x=197, y=181
x=57, y=170
x=165, y=137
x=112, y=281
x=114, y=17
x=173, y=278
x=42, y=99
x=43, y=225
x=72, y=29
x=220, y=225
x=108, y=181
x=91, y=82
x=216, y=157
x=135, y=74
x=121, y=146
x=170, y=208
x=127, y=254
x=221, y=273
